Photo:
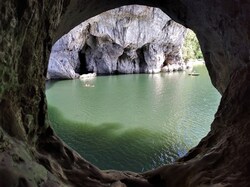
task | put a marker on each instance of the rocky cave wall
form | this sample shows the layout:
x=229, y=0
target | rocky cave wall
x=219, y=27
x=32, y=155
x=129, y=39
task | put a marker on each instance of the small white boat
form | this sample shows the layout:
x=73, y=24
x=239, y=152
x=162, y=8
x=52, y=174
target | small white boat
x=89, y=85
x=87, y=76
x=194, y=74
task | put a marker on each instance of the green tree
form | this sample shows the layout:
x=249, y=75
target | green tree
x=191, y=48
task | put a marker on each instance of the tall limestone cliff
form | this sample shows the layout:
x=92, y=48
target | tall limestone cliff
x=129, y=39
x=32, y=154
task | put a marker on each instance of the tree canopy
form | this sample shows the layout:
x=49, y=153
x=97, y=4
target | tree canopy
x=191, y=48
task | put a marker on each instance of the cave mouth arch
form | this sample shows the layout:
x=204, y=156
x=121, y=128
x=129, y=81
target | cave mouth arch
x=27, y=32
x=89, y=26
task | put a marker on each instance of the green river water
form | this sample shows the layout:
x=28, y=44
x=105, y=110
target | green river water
x=133, y=122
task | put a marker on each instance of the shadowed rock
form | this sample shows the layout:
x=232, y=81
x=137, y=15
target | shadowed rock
x=27, y=32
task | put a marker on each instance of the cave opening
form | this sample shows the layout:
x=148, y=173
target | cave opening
x=112, y=120
x=33, y=155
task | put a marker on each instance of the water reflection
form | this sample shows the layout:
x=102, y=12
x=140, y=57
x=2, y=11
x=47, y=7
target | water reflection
x=126, y=121
x=108, y=146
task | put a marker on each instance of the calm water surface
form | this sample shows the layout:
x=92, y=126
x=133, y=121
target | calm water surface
x=133, y=122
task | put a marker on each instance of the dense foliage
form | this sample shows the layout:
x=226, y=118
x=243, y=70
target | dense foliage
x=191, y=48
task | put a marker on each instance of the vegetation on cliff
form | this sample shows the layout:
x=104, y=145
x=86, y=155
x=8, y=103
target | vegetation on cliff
x=191, y=48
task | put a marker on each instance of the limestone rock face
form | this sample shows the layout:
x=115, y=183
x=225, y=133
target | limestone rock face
x=32, y=154
x=64, y=58
x=61, y=65
x=102, y=56
x=130, y=39
x=154, y=57
x=128, y=62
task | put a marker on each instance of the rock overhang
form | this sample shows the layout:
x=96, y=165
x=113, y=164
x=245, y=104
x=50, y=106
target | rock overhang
x=26, y=36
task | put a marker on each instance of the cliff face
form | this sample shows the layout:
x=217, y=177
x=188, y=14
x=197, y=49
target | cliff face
x=31, y=154
x=130, y=39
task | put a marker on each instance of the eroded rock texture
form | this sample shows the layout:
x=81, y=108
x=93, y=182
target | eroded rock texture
x=130, y=39
x=27, y=29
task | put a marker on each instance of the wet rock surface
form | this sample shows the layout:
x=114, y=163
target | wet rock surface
x=27, y=31
x=130, y=39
